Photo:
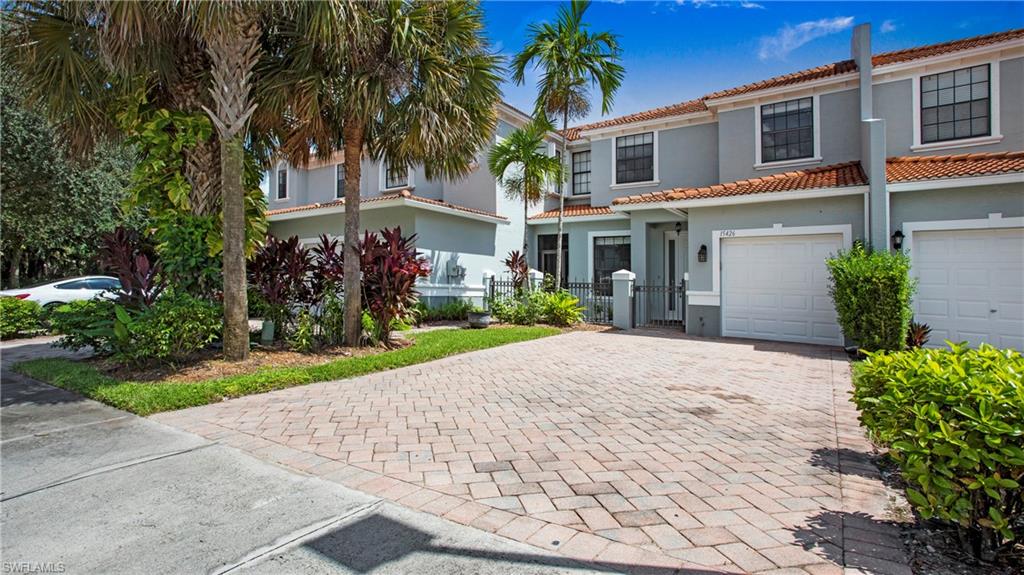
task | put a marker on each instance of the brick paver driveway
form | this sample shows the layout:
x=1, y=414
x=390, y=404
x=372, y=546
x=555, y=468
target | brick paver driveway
x=664, y=452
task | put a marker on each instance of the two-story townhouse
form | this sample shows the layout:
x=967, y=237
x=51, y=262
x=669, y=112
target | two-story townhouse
x=465, y=227
x=743, y=193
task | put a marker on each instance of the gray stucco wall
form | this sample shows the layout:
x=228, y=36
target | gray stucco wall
x=334, y=224
x=839, y=115
x=579, y=238
x=955, y=204
x=687, y=157
x=893, y=101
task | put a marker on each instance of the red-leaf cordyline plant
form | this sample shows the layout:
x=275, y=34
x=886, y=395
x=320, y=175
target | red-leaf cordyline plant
x=519, y=268
x=328, y=268
x=390, y=266
x=280, y=270
x=124, y=254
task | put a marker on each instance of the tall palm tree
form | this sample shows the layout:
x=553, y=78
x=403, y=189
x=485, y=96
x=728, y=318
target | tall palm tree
x=572, y=60
x=523, y=169
x=82, y=58
x=412, y=82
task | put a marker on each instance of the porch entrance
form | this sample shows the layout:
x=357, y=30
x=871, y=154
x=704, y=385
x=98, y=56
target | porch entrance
x=662, y=302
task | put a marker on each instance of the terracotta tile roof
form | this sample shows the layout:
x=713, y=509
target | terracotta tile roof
x=689, y=107
x=915, y=168
x=574, y=211
x=834, y=176
x=819, y=72
x=897, y=169
x=407, y=194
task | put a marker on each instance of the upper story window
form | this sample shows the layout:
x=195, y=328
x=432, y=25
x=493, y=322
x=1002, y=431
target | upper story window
x=282, y=184
x=581, y=173
x=339, y=181
x=634, y=158
x=395, y=177
x=787, y=130
x=955, y=104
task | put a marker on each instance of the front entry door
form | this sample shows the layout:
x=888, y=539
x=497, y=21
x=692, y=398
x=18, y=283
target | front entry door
x=675, y=268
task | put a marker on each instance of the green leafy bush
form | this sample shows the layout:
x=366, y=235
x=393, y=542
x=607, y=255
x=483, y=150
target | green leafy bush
x=954, y=421
x=86, y=323
x=303, y=338
x=871, y=292
x=18, y=317
x=524, y=309
x=561, y=308
x=456, y=310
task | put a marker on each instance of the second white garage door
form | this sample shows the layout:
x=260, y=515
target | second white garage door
x=971, y=285
x=776, y=287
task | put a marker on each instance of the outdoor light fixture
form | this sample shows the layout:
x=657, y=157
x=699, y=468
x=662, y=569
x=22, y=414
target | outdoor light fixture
x=702, y=253
x=679, y=227
x=897, y=240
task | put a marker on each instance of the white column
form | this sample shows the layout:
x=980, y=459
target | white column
x=536, y=279
x=622, y=299
x=488, y=276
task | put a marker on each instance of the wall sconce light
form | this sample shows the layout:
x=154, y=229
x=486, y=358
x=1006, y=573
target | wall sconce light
x=702, y=254
x=679, y=228
x=897, y=240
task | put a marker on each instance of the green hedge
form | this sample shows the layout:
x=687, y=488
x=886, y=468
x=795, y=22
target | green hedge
x=954, y=421
x=18, y=317
x=871, y=292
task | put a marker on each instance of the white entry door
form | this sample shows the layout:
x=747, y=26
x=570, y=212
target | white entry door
x=970, y=285
x=776, y=287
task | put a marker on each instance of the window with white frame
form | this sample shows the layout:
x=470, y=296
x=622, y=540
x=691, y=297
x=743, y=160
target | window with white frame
x=581, y=173
x=282, y=184
x=956, y=104
x=634, y=158
x=395, y=176
x=339, y=181
x=787, y=130
x=611, y=253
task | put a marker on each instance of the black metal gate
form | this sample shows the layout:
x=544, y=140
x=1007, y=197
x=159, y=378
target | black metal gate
x=659, y=306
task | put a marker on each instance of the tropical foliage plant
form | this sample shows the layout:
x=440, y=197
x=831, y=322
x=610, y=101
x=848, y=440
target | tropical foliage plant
x=572, y=60
x=391, y=267
x=953, y=420
x=280, y=271
x=871, y=292
x=18, y=317
x=518, y=268
x=125, y=254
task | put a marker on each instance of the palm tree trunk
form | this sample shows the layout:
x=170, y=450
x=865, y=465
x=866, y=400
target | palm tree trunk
x=236, y=314
x=561, y=205
x=526, y=229
x=352, y=136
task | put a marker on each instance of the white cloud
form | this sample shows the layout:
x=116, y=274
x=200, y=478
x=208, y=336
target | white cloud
x=888, y=26
x=789, y=38
x=748, y=5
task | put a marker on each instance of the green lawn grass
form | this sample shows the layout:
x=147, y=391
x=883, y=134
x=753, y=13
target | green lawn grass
x=145, y=398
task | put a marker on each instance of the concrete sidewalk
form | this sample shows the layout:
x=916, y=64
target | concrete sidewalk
x=90, y=489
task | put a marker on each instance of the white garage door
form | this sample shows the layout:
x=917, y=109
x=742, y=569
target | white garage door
x=971, y=285
x=776, y=288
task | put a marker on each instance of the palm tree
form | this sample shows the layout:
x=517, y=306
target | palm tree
x=82, y=58
x=523, y=169
x=411, y=82
x=572, y=60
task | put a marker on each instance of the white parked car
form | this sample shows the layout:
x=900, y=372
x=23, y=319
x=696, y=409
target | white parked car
x=67, y=290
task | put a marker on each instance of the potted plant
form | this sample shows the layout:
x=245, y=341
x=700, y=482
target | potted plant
x=479, y=318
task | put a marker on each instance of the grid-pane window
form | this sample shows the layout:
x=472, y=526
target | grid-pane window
x=396, y=176
x=339, y=181
x=787, y=130
x=581, y=173
x=282, y=184
x=547, y=253
x=611, y=254
x=634, y=158
x=955, y=104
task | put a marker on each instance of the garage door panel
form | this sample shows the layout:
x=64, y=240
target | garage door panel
x=776, y=287
x=971, y=285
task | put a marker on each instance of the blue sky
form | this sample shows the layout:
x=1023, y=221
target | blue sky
x=674, y=51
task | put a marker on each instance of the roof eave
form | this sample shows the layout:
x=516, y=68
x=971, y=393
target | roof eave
x=753, y=198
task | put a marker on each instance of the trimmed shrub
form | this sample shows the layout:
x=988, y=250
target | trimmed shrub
x=456, y=310
x=954, y=422
x=561, y=308
x=84, y=324
x=524, y=309
x=18, y=317
x=871, y=292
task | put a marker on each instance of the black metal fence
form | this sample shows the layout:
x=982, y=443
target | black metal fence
x=659, y=306
x=595, y=299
